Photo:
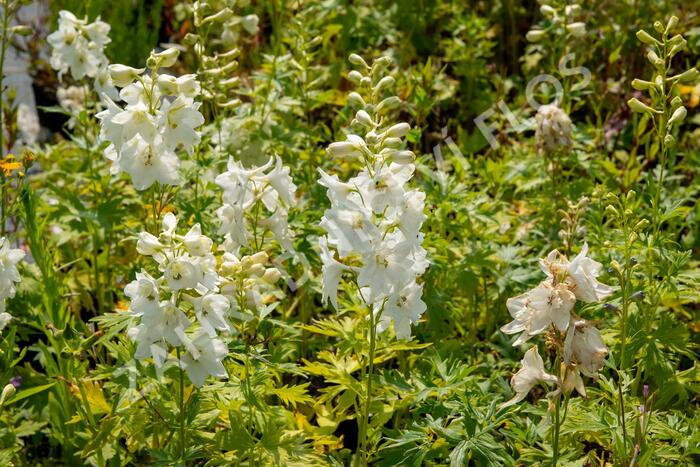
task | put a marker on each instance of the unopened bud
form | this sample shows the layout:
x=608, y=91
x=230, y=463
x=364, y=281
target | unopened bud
x=638, y=296
x=637, y=106
x=22, y=30
x=535, y=35
x=123, y=75
x=219, y=17
x=646, y=38
x=577, y=29
x=342, y=149
x=669, y=140
x=355, y=76
x=257, y=270
x=548, y=11
x=672, y=23
x=356, y=100
x=390, y=103
x=260, y=257
x=688, y=76
x=641, y=85
x=7, y=392
x=250, y=24
x=190, y=39
x=358, y=61
x=611, y=307
x=271, y=275
x=399, y=130
x=386, y=82
x=166, y=58
x=676, y=102
x=678, y=116
x=364, y=119
x=403, y=157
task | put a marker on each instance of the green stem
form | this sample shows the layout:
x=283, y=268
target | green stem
x=555, y=442
x=368, y=397
x=183, y=434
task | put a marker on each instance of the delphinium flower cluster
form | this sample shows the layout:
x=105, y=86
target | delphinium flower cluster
x=9, y=276
x=182, y=307
x=160, y=116
x=561, y=19
x=552, y=129
x=549, y=308
x=256, y=203
x=373, y=224
x=78, y=49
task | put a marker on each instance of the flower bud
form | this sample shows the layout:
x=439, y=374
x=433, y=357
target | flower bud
x=403, y=157
x=167, y=84
x=356, y=100
x=535, y=35
x=250, y=24
x=393, y=143
x=641, y=85
x=342, y=149
x=641, y=225
x=678, y=116
x=382, y=62
x=357, y=61
x=190, y=39
x=166, y=58
x=260, y=257
x=669, y=140
x=7, y=392
x=658, y=27
x=672, y=23
x=688, y=76
x=399, y=130
x=652, y=57
x=271, y=275
x=257, y=270
x=646, y=38
x=572, y=10
x=611, y=307
x=355, y=77
x=547, y=11
x=21, y=30
x=390, y=103
x=637, y=106
x=577, y=29
x=364, y=119
x=386, y=82
x=123, y=75
x=676, y=102
x=219, y=17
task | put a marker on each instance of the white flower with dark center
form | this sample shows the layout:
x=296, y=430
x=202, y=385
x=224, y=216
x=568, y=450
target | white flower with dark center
x=204, y=359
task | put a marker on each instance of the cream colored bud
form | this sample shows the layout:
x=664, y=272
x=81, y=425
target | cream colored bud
x=364, y=119
x=392, y=142
x=535, y=35
x=7, y=392
x=191, y=39
x=676, y=102
x=22, y=30
x=257, y=270
x=390, y=103
x=219, y=17
x=271, y=275
x=166, y=58
x=356, y=100
x=672, y=23
x=577, y=29
x=123, y=75
x=669, y=140
x=386, y=82
x=572, y=10
x=260, y=257
x=250, y=24
x=403, y=157
x=678, y=116
x=167, y=84
x=548, y=11
x=355, y=76
x=342, y=149
x=358, y=61
x=399, y=130
x=641, y=85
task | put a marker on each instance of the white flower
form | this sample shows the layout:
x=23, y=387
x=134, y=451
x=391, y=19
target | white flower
x=204, y=359
x=148, y=163
x=196, y=243
x=332, y=270
x=210, y=311
x=179, y=121
x=531, y=374
x=553, y=128
x=583, y=272
x=182, y=273
x=27, y=124
x=5, y=319
x=144, y=294
x=584, y=347
x=9, y=275
x=534, y=311
x=78, y=46
x=402, y=309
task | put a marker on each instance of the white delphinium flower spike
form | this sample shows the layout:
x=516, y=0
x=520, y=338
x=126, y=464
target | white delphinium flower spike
x=159, y=118
x=9, y=275
x=374, y=216
x=182, y=307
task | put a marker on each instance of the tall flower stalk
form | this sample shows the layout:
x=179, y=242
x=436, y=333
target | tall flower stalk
x=373, y=224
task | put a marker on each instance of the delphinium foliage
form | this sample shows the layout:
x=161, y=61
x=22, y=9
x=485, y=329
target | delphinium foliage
x=372, y=233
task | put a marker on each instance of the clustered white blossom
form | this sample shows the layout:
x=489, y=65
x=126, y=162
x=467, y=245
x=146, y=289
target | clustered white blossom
x=550, y=306
x=373, y=224
x=188, y=286
x=9, y=277
x=255, y=200
x=78, y=49
x=160, y=116
x=552, y=129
